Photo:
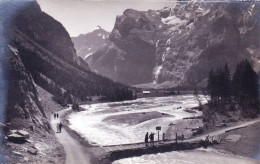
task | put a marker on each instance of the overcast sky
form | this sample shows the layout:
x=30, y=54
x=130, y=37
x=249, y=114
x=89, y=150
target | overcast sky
x=83, y=16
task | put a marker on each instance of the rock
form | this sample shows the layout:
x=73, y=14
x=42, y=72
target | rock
x=233, y=137
x=23, y=133
x=29, y=141
x=13, y=131
x=32, y=128
x=18, y=153
x=32, y=151
x=164, y=13
x=26, y=159
x=16, y=138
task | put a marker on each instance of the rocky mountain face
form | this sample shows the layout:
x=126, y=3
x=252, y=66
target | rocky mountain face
x=45, y=32
x=23, y=102
x=26, y=136
x=178, y=45
x=89, y=43
x=48, y=53
x=26, y=126
x=40, y=54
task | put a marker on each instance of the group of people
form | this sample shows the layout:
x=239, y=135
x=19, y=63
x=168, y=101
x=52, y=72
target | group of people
x=56, y=115
x=147, y=137
x=59, y=125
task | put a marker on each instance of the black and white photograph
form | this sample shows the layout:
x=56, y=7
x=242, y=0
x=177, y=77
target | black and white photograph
x=129, y=82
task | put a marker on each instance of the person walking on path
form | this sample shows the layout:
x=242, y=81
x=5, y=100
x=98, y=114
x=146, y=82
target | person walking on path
x=57, y=115
x=60, y=126
x=151, y=138
x=54, y=115
x=146, y=139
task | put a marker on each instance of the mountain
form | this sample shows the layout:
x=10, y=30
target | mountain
x=48, y=53
x=178, y=45
x=25, y=132
x=37, y=55
x=89, y=43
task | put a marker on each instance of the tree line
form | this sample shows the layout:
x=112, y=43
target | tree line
x=241, y=88
x=67, y=83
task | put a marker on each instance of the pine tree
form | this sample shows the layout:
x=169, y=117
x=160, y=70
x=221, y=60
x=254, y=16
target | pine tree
x=211, y=84
x=245, y=81
x=227, y=82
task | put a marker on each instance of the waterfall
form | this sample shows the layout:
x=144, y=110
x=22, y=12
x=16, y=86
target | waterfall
x=156, y=73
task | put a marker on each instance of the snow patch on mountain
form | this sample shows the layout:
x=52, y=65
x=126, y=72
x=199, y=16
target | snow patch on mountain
x=173, y=20
x=89, y=54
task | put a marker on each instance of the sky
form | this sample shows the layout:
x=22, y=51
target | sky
x=83, y=16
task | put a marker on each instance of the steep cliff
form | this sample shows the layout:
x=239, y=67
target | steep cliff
x=25, y=134
x=39, y=52
x=48, y=54
x=23, y=101
x=178, y=45
x=130, y=57
x=26, y=125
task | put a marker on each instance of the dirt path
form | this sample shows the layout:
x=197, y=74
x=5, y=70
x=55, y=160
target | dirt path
x=75, y=153
x=221, y=131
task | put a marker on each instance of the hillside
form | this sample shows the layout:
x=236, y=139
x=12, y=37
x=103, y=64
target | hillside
x=178, y=45
x=47, y=52
x=38, y=53
x=29, y=138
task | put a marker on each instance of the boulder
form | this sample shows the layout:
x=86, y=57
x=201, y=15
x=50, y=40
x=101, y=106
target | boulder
x=16, y=138
x=164, y=13
x=32, y=151
x=23, y=133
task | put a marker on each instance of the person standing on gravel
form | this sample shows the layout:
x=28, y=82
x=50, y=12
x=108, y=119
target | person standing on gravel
x=57, y=115
x=60, y=126
x=152, y=138
x=146, y=139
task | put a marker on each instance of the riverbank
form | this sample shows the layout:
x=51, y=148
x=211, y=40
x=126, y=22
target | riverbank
x=242, y=142
x=95, y=152
x=198, y=156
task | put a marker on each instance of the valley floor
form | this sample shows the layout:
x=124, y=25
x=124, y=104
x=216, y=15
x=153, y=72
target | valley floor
x=114, y=115
x=77, y=151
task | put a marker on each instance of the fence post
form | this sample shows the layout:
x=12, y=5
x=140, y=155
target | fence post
x=163, y=136
x=176, y=137
x=158, y=136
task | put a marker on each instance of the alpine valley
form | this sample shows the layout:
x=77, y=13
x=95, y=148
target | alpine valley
x=175, y=46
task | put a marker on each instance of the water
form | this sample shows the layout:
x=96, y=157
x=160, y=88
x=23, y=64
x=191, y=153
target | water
x=257, y=155
x=128, y=121
x=209, y=156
